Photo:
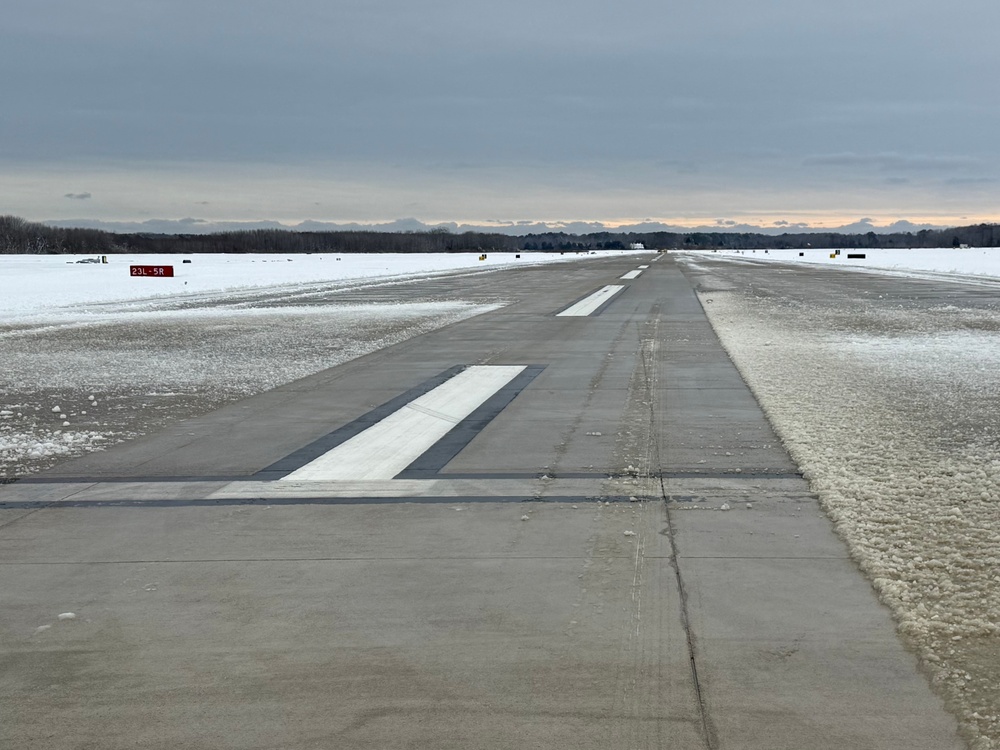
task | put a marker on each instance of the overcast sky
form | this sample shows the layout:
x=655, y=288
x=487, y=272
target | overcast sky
x=460, y=110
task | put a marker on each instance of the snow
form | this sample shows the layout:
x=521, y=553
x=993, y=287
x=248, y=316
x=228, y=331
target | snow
x=39, y=285
x=962, y=262
x=889, y=408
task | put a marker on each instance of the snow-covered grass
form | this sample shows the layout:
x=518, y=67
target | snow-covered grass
x=38, y=285
x=122, y=356
x=972, y=261
x=890, y=410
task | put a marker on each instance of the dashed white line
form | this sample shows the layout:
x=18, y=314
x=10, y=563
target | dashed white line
x=589, y=304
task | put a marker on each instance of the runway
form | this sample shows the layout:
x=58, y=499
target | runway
x=562, y=523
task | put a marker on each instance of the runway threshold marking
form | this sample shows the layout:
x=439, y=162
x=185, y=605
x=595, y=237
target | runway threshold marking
x=631, y=274
x=389, y=446
x=588, y=305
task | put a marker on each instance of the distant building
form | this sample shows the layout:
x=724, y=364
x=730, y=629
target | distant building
x=636, y=246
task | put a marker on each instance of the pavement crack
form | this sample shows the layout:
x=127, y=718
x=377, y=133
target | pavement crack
x=708, y=732
x=34, y=510
x=649, y=340
x=31, y=512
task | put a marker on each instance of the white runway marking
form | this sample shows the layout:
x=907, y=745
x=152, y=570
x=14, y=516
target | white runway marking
x=389, y=446
x=631, y=274
x=643, y=267
x=587, y=305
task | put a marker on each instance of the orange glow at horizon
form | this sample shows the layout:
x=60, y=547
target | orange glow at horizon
x=791, y=219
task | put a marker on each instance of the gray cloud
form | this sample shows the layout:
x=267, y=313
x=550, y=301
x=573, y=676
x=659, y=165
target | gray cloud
x=740, y=108
x=894, y=162
x=971, y=181
x=78, y=196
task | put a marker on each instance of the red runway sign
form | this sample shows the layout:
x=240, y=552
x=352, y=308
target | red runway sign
x=152, y=270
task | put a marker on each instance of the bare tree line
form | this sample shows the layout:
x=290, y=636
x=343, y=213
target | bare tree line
x=18, y=236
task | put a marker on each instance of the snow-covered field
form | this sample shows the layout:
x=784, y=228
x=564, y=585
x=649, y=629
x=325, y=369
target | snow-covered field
x=90, y=355
x=887, y=399
x=971, y=261
x=55, y=286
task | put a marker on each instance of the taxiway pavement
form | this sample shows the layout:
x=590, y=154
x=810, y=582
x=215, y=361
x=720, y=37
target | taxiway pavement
x=608, y=547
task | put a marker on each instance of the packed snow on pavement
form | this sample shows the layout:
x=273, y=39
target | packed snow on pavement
x=889, y=406
x=93, y=355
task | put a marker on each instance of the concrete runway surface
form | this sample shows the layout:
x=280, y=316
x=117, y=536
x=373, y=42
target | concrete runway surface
x=598, y=542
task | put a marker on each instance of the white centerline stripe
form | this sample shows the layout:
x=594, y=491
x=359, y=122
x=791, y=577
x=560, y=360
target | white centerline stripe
x=631, y=275
x=643, y=267
x=389, y=446
x=587, y=305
